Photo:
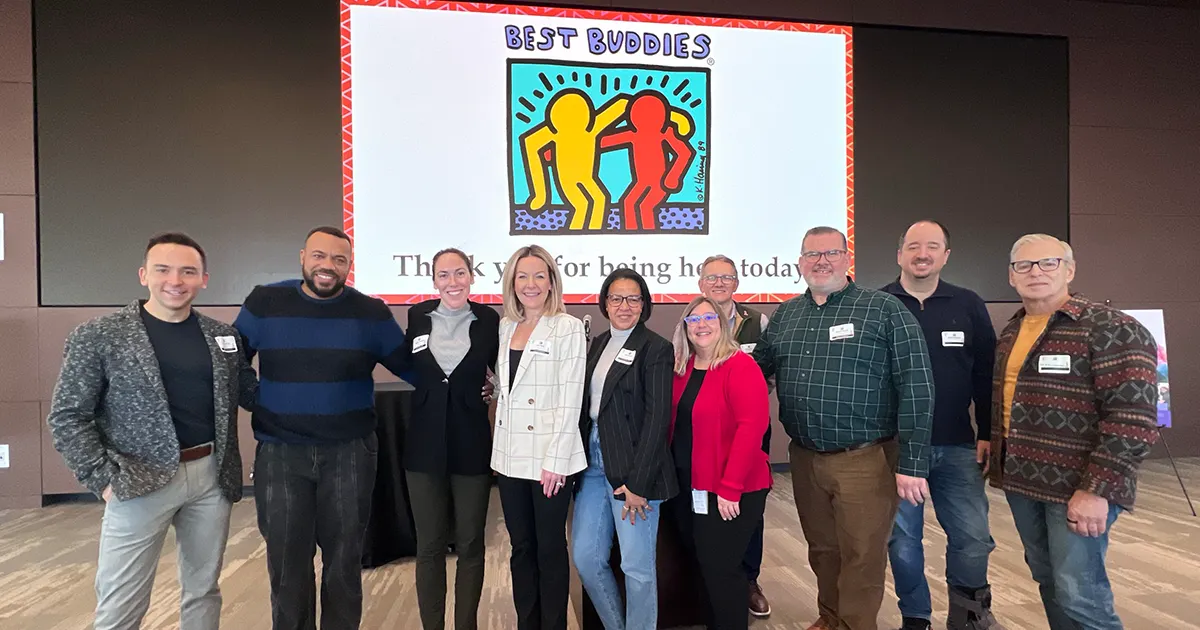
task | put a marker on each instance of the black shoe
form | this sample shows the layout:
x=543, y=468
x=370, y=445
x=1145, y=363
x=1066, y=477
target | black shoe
x=916, y=623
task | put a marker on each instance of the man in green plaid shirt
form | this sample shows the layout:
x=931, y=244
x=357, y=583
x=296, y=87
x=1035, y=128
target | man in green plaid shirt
x=855, y=391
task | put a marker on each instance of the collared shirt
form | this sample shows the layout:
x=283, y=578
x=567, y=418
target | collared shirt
x=1084, y=407
x=962, y=347
x=850, y=371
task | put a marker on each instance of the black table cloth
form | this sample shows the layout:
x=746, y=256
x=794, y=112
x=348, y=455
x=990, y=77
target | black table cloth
x=391, y=534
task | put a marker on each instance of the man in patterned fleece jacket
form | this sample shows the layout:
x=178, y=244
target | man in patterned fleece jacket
x=1074, y=410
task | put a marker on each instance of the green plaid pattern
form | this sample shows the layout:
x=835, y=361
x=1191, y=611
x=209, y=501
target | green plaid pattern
x=835, y=394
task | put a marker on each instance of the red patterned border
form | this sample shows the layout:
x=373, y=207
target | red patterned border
x=591, y=14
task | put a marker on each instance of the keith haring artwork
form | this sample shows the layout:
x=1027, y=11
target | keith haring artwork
x=618, y=149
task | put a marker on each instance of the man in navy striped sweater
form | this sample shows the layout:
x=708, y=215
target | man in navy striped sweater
x=317, y=342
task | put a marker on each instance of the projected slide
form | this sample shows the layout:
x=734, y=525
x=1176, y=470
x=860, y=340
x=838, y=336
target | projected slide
x=611, y=139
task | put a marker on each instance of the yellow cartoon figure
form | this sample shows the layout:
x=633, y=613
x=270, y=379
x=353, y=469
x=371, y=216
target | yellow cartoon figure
x=568, y=142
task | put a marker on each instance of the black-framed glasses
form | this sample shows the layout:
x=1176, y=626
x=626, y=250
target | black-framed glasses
x=1045, y=264
x=696, y=319
x=633, y=301
x=714, y=278
x=832, y=255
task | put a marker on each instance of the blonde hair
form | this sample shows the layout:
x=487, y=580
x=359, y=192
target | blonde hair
x=1068, y=253
x=725, y=347
x=513, y=309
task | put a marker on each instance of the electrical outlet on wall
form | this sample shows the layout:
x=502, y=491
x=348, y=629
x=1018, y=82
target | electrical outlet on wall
x=3, y=456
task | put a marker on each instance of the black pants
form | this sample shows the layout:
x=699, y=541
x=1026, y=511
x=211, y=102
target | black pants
x=540, y=565
x=432, y=497
x=719, y=547
x=308, y=496
x=752, y=562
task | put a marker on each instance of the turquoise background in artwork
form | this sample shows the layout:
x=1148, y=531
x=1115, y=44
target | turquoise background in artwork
x=614, y=165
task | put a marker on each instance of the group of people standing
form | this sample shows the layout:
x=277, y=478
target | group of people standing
x=875, y=387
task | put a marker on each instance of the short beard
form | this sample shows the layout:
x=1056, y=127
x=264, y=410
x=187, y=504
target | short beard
x=323, y=293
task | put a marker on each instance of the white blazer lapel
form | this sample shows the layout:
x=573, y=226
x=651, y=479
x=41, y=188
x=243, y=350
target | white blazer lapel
x=540, y=333
x=507, y=329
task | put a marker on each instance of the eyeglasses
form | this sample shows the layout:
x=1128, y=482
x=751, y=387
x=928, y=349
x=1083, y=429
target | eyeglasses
x=696, y=319
x=713, y=278
x=1045, y=264
x=832, y=255
x=633, y=301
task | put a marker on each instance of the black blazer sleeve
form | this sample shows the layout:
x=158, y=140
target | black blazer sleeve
x=656, y=375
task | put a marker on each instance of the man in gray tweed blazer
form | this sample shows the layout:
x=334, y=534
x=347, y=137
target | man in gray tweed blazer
x=145, y=415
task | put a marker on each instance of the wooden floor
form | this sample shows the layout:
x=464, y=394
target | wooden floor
x=47, y=565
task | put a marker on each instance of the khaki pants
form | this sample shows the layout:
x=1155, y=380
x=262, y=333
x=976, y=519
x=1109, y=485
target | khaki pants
x=847, y=504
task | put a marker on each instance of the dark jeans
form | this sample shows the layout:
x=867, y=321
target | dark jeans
x=308, y=496
x=961, y=505
x=431, y=496
x=540, y=565
x=719, y=546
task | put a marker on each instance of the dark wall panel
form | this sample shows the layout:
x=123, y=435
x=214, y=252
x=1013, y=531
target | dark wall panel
x=968, y=129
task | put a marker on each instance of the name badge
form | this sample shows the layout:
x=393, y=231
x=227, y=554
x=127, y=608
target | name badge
x=699, y=502
x=625, y=356
x=1054, y=364
x=226, y=343
x=541, y=347
x=837, y=333
x=953, y=338
x=420, y=343
x=748, y=348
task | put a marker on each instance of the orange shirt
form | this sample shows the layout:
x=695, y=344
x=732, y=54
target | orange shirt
x=1031, y=328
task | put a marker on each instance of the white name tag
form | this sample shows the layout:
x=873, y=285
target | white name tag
x=953, y=338
x=541, y=347
x=699, y=502
x=1054, y=364
x=845, y=331
x=748, y=348
x=626, y=356
x=420, y=343
x=226, y=343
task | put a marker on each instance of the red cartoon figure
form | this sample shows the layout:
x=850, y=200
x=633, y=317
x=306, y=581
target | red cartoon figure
x=658, y=156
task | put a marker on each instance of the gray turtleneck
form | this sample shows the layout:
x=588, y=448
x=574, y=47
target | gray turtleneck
x=450, y=335
x=615, y=343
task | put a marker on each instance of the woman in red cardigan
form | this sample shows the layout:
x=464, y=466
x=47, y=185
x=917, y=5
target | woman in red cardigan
x=719, y=416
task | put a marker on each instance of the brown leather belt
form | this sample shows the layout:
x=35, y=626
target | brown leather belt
x=195, y=452
x=856, y=447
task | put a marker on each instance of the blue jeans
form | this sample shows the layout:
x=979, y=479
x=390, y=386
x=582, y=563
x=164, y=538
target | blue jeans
x=960, y=502
x=1068, y=568
x=596, y=517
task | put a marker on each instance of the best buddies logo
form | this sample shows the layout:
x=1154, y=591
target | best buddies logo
x=610, y=41
x=608, y=148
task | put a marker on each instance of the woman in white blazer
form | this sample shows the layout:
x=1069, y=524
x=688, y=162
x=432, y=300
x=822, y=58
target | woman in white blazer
x=537, y=446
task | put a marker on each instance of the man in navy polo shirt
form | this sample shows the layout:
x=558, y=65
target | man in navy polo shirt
x=962, y=347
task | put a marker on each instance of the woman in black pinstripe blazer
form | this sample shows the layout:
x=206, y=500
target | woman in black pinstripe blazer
x=625, y=421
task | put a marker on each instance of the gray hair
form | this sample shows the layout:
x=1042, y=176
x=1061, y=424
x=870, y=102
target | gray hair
x=719, y=258
x=825, y=229
x=1068, y=253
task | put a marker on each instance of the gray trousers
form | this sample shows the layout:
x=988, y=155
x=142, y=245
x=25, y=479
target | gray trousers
x=131, y=539
x=433, y=497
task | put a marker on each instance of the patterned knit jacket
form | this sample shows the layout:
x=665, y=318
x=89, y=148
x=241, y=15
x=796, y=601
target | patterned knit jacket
x=1088, y=428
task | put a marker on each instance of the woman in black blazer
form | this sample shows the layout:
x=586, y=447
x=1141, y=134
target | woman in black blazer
x=625, y=422
x=448, y=444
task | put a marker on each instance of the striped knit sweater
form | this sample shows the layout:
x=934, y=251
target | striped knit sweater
x=1088, y=429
